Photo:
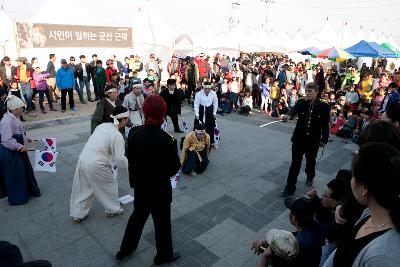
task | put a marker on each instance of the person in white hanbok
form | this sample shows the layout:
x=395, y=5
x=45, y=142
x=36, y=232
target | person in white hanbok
x=134, y=102
x=93, y=175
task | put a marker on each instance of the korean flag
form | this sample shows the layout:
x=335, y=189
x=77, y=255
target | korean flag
x=49, y=144
x=45, y=161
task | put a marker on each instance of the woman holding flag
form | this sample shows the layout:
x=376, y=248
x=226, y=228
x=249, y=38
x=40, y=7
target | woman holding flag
x=17, y=180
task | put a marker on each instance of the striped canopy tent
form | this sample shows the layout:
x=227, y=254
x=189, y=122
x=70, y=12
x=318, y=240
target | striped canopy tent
x=334, y=54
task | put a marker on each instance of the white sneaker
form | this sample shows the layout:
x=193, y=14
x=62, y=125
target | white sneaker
x=110, y=215
x=214, y=146
x=193, y=173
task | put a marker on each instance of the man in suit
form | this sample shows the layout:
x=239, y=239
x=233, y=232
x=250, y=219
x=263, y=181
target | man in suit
x=153, y=159
x=83, y=71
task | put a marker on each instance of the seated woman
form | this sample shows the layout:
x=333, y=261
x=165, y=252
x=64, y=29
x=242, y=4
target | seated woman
x=17, y=180
x=247, y=103
x=195, y=150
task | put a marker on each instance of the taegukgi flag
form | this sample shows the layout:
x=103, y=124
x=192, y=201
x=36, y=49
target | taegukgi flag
x=49, y=144
x=45, y=161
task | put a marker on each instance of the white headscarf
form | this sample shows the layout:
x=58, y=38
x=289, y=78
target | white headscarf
x=119, y=116
x=14, y=102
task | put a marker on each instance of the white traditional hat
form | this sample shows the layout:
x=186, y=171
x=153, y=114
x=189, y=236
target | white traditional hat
x=14, y=102
x=283, y=243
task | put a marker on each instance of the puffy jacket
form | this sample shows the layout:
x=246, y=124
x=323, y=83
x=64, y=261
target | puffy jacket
x=65, y=78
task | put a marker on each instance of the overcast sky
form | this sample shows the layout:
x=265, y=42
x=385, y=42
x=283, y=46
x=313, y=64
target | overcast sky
x=193, y=15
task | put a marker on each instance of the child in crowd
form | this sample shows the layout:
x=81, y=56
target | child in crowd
x=123, y=87
x=274, y=94
x=247, y=104
x=332, y=99
x=223, y=105
x=293, y=97
x=135, y=79
x=352, y=97
x=224, y=86
x=348, y=127
x=333, y=117
x=148, y=88
x=340, y=120
x=265, y=91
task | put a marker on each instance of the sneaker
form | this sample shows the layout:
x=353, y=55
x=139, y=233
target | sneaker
x=53, y=109
x=83, y=102
x=74, y=109
x=110, y=215
x=44, y=111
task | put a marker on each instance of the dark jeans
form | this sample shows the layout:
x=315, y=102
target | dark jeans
x=233, y=97
x=85, y=82
x=174, y=118
x=193, y=163
x=161, y=213
x=310, y=150
x=64, y=98
x=42, y=93
x=79, y=91
x=100, y=89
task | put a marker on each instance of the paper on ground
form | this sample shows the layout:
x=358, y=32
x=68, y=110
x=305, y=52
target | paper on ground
x=126, y=199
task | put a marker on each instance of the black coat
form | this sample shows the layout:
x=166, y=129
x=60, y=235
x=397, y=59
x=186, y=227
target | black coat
x=79, y=71
x=173, y=101
x=319, y=126
x=153, y=160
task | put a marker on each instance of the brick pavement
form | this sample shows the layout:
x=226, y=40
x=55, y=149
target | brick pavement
x=215, y=215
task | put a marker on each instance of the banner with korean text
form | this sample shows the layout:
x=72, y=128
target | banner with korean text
x=41, y=35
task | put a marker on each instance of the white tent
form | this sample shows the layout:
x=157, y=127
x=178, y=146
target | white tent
x=254, y=42
x=279, y=43
x=359, y=36
x=393, y=42
x=150, y=33
x=298, y=41
x=52, y=11
x=183, y=45
x=382, y=38
x=205, y=41
x=346, y=37
x=325, y=38
x=7, y=35
x=372, y=37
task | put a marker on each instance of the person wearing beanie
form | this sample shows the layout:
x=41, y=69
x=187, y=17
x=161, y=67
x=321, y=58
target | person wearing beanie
x=93, y=175
x=153, y=160
x=205, y=109
x=173, y=101
x=17, y=180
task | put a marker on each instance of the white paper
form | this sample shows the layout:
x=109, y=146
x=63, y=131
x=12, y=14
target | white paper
x=126, y=199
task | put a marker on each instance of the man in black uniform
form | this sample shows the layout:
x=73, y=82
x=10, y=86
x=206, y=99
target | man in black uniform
x=173, y=101
x=311, y=132
x=153, y=159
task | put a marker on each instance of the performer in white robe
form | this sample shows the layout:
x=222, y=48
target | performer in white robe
x=134, y=102
x=205, y=109
x=93, y=176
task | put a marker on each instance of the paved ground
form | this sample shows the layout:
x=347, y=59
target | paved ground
x=215, y=216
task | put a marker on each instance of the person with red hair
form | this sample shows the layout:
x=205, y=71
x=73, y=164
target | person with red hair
x=153, y=159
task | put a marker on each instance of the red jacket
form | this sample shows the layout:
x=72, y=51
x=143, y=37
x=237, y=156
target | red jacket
x=109, y=72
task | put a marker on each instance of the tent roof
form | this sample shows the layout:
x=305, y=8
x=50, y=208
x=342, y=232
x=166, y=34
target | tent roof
x=7, y=27
x=206, y=39
x=327, y=36
x=52, y=10
x=359, y=36
x=346, y=37
x=366, y=49
x=391, y=48
x=372, y=37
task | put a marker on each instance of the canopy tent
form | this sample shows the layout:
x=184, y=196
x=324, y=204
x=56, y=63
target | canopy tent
x=391, y=48
x=382, y=38
x=7, y=35
x=279, y=43
x=334, y=54
x=368, y=49
x=254, y=42
x=393, y=42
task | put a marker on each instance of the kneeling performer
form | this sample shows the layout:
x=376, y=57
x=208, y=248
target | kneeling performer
x=195, y=150
x=93, y=176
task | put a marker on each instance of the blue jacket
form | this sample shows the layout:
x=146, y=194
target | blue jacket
x=65, y=78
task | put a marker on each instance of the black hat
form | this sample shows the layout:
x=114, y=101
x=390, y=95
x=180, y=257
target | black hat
x=301, y=207
x=63, y=61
